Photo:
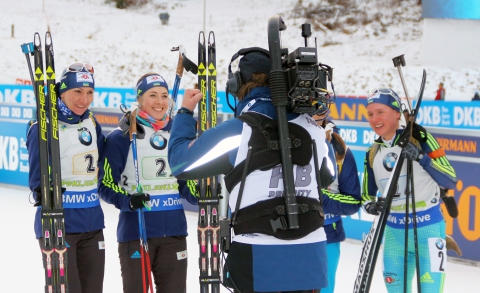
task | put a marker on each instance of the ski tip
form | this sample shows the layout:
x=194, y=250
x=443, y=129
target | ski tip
x=211, y=38
x=36, y=39
x=201, y=38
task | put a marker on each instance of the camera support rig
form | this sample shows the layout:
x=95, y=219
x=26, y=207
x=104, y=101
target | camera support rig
x=280, y=101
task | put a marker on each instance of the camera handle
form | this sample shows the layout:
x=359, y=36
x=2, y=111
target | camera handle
x=280, y=100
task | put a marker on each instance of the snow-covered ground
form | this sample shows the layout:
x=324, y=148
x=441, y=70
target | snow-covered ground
x=21, y=267
x=125, y=44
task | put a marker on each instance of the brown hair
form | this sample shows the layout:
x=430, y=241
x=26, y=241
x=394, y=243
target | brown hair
x=257, y=79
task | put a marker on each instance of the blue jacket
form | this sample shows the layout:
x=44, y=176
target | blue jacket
x=77, y=220
x=348, y=199
x=114, y=190
x=257, y=101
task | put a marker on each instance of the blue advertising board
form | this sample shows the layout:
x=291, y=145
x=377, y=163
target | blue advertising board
x=458, y=115
x=13, y=150
x=104, y=97
x=455, y=9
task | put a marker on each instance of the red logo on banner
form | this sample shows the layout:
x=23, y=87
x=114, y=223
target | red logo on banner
x=22, y=81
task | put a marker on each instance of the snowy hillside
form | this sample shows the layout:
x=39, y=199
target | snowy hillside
x=124, y=44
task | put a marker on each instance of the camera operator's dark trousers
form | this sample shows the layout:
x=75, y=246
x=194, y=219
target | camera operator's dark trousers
x=303, y=291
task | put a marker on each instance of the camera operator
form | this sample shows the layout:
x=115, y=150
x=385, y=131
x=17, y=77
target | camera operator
x=258, y=262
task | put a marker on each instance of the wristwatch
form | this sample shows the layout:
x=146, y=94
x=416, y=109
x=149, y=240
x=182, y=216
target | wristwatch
x=184, y=110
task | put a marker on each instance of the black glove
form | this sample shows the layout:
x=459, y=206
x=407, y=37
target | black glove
x=412, y=152
x=377, y=207
x=417, y=132
x=138, y=200
x=38, y=195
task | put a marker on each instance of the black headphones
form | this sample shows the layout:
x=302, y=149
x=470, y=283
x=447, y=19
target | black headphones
x=234, y=81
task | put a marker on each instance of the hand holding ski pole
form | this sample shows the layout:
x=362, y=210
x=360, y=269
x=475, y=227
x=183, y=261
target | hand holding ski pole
x=413, y=152
x=139, y=200
x=377, y=207
x=38, y=195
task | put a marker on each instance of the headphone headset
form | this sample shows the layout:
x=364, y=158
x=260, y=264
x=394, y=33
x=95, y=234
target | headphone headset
x=235, y=81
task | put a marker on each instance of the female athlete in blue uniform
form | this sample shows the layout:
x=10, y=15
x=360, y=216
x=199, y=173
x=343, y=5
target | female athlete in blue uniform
x=81, y=144
x=165, y=223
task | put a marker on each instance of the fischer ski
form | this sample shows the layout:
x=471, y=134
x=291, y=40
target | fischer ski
x=213, y=190
x=208, y=222
x=202, y=226
x=56, y=176
x=52, y=214
x=374, y=237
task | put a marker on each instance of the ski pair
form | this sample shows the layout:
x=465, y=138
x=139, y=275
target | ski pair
x=53, y=243
x=372, y=241
x=208, y=218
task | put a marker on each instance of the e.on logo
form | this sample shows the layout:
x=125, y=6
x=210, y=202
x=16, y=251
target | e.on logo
x=468, y=219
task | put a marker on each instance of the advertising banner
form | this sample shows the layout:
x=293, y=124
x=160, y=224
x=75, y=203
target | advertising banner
x=104, y=97
x=13, y=150
x=458, y=115
x=454, y=9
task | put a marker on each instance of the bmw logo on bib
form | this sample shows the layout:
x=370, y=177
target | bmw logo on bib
x=389, y=161
x=158, y=142
x=84, y=136
x=439, y=244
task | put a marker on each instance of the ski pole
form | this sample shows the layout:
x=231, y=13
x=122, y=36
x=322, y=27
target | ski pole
x=144, y=256
x=183, y=63
x=398, y=62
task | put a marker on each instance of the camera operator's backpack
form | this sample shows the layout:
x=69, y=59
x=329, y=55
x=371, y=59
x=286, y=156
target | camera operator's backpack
x=268, y=216
x=265, y=146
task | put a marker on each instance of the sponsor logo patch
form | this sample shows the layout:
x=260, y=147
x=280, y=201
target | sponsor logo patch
x=389, y=161
x=154, y=78
x=136, y=254
x=182, y=255
x=426, y=278
x=84, y=77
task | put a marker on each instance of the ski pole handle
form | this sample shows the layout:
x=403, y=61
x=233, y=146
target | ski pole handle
x=27, y=48
x=398, y=62
x=178, y=76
